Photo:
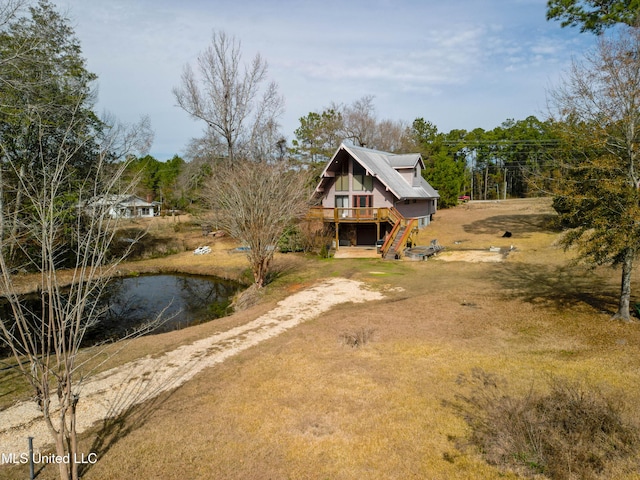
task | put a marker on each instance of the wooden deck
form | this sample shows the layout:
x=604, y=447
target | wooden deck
x=403, y=228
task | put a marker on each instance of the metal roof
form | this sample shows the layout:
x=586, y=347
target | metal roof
x=383, y=165
x=405, y=160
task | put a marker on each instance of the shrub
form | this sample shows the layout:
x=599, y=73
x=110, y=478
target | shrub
x=571, y=431
x=291, y=240
x=357, y=338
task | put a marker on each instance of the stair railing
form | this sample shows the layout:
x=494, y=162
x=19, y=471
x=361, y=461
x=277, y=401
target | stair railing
x=390, y=238
x=411, y=223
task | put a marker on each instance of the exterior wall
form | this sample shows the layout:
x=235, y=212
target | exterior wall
x=146, y=211
x=421, y=209
x=120, y=206
x=131, y=212
x=407, y=174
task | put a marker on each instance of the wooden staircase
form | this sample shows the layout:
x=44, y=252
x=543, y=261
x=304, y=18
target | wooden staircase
x=397, y=239
x=393, y=249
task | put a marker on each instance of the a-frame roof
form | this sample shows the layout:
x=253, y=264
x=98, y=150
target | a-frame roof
x=383, y=166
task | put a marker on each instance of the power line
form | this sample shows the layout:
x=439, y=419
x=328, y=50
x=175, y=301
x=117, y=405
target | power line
x=465, y=143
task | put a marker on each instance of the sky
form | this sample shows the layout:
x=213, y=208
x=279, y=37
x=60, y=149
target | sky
x=460, y=64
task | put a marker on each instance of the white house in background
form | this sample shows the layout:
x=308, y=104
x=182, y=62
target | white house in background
x=123, y=206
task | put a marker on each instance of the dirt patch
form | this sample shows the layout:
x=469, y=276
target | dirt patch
x=357, y=252
x=476, y=256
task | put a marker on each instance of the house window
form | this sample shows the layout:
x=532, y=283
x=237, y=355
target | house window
x=342, y=182
x=342, y=201
x=363, y=200
x=361, y=181
x=363, y=204
x=342, y=205
x=342, y=178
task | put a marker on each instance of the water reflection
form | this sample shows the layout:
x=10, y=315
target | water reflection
x=182, y=299
x=128, y=303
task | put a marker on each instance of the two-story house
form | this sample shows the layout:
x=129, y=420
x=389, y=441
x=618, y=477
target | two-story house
x=369, y=195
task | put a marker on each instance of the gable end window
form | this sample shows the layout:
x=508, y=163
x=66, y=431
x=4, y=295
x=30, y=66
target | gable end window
x=342, y=182
x=361, y=181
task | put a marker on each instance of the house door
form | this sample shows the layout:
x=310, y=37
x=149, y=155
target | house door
x=364, y=204
x=342, y=204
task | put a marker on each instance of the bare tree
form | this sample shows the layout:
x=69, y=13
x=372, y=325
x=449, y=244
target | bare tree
x=9, y=9
x=239, y=113
x=597, y=115
x=45, y=343
x=56, y=156
x=359, y=122
x=256, y=202
x=320, y=133
x=393, y=136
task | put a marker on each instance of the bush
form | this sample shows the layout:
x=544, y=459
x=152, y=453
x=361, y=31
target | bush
x=357, y=338
x=572, y=431
x=291, y=240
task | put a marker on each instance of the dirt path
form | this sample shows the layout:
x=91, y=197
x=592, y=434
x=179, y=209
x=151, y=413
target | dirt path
x=112, y=392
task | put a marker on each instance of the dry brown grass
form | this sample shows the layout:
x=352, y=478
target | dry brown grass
x=573, y=430
x=305, y=405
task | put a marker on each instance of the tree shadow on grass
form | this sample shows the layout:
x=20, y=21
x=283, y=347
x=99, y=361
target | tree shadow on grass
x=281, y=266
x=113, y=429
x=109, y=431
x=519, y=225
x=558, y=287
x=145, y=389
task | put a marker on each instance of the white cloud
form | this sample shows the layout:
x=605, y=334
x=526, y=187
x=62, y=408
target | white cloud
x=462, y=63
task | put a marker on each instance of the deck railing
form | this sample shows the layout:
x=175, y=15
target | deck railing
x=351, y=214
x=411, y=224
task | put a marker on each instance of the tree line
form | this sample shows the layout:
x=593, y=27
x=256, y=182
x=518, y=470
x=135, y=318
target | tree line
x=481, y=164
x=505, y=162
x=240, y=108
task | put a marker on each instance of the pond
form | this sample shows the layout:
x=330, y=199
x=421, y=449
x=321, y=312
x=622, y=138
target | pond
x=183, y=300
x=131, y=302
